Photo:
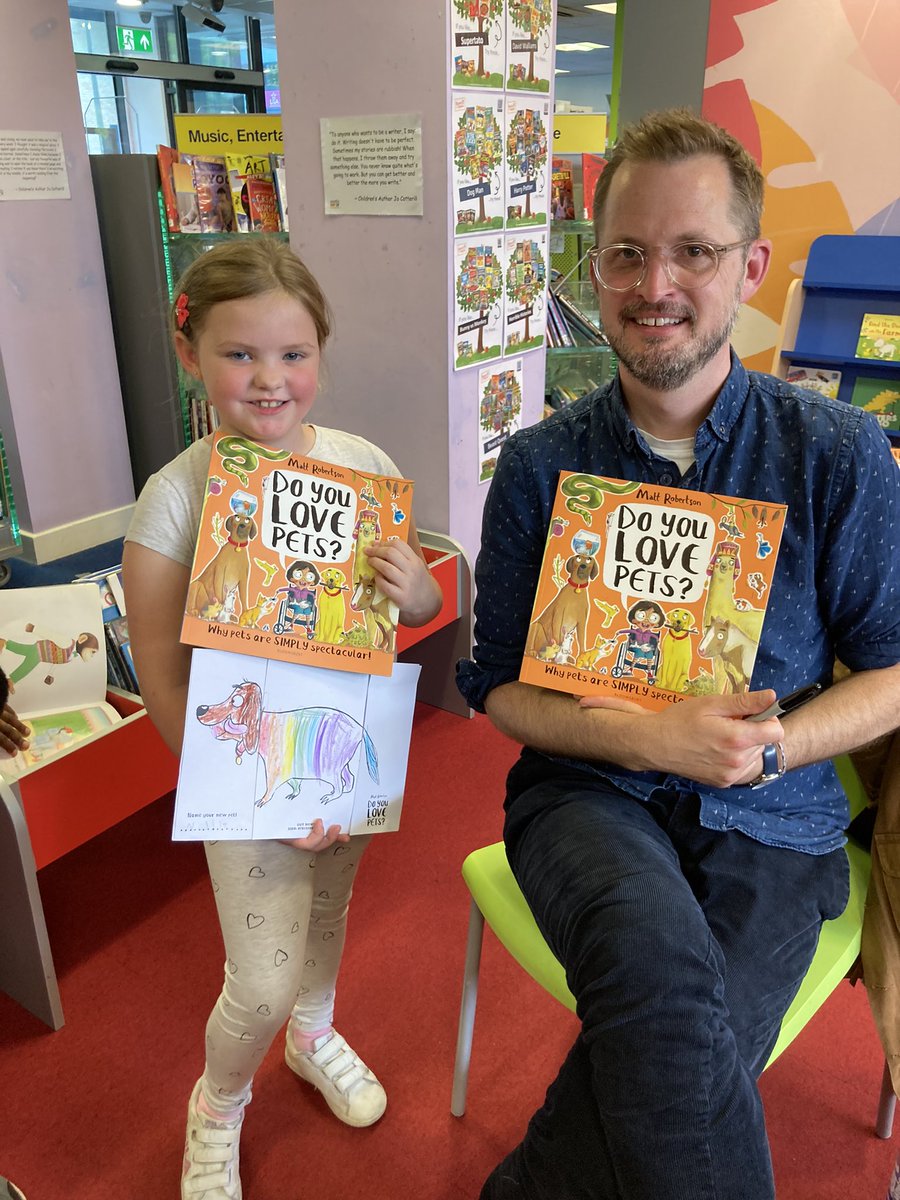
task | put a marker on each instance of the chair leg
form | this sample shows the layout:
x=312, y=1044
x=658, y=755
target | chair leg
x=467, y=1011
x=887, y=1102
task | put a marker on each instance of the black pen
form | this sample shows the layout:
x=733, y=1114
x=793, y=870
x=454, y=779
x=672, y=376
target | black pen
x=788, y=703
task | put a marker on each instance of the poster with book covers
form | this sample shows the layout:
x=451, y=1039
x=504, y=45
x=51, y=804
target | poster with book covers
x=651, y=593
x=478, y=43
x=477, y=123
x=280, y=569
x=880, y=396
x=879, y=337
x=499, y=412
x=529, y=45
x=269, y=747
x=478, y=291
x=525, y=287
x=527, y=135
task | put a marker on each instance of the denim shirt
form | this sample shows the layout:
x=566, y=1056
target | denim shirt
x=835, y=589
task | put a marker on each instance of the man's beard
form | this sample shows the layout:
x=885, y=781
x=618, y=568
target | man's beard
x=659, y=367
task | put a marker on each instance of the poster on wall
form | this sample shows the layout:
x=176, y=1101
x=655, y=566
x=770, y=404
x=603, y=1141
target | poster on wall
x=478, y=293
x=529, y=45
x=478, y=39
x=477, y=161
x=525, y=287
x=499, y=412
x=526, y=140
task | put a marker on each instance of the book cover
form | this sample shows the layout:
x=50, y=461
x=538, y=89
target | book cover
x=213, y=194
x=815, y=379
x=650, y=593
x=881, y=397
x=591, y=168
x=263, y=758
x=280, y=569
x=53, y=733
x=263, y=204
x=562, y=190
x=166, y=156
x=239, y=168
x=879, y=337
x=186, y=197
x=279, y=178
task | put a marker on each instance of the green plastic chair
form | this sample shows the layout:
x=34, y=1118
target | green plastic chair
x=496, y=899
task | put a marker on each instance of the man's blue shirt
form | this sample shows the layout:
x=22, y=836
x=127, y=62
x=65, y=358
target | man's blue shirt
x=835, y=590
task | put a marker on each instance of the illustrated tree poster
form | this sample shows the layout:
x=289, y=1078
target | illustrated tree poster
x=525, y=284
x=479, y=44
x=499, y=412
x=478, y=288
x=529, y=53
x=650, y=593
x=269, y=747
x=478, y=161
x=526, y=138
x=280, y=569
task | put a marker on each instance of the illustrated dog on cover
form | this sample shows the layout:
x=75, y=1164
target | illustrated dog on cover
x=299, y=744
x=228, y=568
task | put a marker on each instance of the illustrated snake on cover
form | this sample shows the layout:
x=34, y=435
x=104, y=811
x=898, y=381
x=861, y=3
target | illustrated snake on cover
x=240, y=456
x=585, y=493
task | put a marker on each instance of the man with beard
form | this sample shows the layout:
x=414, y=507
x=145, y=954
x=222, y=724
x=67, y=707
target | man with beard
x=683, y=897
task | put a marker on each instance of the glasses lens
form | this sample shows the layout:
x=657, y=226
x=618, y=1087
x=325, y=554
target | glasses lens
x=692, y=264
x=619, y=267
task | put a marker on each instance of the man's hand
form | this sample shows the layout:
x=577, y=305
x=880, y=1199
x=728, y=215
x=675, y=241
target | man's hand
x=705, y=738
x=13, y=734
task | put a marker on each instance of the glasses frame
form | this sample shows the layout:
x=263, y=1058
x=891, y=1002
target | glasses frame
x=718, y=251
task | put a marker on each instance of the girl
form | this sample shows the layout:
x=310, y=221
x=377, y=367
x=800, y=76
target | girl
x=250, y=322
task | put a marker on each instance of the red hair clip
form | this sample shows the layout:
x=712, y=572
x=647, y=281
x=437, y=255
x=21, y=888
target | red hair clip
x=181, y=310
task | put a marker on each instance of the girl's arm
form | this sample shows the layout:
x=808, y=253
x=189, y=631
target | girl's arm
x=155, y=594
x=404, y=577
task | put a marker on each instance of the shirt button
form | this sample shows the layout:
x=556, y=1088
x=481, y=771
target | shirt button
x=665, y=478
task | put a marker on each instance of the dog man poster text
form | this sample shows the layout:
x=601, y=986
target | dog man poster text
x=280, y=569
x=650, y=593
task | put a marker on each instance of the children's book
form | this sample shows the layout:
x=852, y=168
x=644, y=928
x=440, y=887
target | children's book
x=166, y=156
x=53, y=651
x=186, y=197
x=650, y=593
x=591, y=168
x=263, y=204
x=815, y=379
x=562, y=190
x=240, y=167
x=280, y=569
x=881, y=397
x=279, y=178
x=879, y=337
x=265, y=757
x=213, y=194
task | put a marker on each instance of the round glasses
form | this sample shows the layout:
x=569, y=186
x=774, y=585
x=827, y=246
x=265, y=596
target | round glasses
x=688, y=265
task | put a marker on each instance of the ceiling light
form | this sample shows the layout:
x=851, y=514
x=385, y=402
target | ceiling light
x=130, y=3
x=604, y=8
x=564, y=46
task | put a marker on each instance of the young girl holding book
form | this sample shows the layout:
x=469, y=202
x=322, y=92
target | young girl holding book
x=250, y=322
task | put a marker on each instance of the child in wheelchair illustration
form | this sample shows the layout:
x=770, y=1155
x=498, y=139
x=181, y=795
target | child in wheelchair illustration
x=640, y=650
x=298, y=607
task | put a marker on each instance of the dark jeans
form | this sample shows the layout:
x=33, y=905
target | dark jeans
x=684, y=948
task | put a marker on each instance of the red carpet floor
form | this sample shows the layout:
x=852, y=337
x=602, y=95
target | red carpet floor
x=96, y=1111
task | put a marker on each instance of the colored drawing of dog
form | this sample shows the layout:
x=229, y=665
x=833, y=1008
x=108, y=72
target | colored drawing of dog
x=675, y=650
x=332, y=606
x=568, y=609
x=293, y=746
x=228, y=568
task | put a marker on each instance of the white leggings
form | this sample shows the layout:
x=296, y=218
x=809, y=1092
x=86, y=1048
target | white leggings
x=283, y=914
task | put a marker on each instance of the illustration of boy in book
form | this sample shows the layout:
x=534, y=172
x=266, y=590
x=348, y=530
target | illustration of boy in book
x=83, y=647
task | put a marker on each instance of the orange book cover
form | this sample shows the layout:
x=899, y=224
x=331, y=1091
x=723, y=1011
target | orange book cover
x=263, y=204
x=166, y=156
x=280, y=570
x=650, y=593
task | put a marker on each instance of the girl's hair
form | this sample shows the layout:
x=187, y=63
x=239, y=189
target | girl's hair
x=299, y=568
x=236, y=270
x=673, y=136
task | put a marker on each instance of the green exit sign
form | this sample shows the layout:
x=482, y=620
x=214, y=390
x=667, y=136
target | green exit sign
x=134, y=41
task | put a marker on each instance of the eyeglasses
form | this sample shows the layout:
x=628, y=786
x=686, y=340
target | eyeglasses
x=688, y=265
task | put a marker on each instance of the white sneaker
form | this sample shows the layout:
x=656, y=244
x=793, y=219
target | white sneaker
x=211, y=1155
x=349, y=1088
x=9, y=1191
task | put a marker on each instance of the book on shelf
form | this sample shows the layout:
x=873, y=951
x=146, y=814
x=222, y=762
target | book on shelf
x=879, y=337
x=166, y=156
x=283, y=762
x=186, y=197
x=280, y=569
x=814, y=379
x=213, y=193
x=650, y=593
x=880, y=396
x=562, y=189
x=240, y=167
x=53, y=650
x=120, y=665
x=279, y=178
x=591, y=168
x=263, y=204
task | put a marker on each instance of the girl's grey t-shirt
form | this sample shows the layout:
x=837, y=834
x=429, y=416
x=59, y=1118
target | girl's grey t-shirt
x=166, y=517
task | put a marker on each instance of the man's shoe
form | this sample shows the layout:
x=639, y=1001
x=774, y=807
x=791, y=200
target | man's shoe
x=211, y=1155
x=349, y=1088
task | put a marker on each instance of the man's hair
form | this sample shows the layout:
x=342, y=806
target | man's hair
x=676, y=134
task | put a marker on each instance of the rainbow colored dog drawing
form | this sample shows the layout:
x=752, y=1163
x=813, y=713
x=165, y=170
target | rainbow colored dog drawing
x=299, y=744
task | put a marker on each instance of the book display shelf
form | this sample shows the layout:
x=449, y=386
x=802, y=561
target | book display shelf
x=847, y=277
x=10, y=540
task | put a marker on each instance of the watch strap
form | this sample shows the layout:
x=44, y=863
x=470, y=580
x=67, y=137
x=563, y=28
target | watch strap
x=774, y=765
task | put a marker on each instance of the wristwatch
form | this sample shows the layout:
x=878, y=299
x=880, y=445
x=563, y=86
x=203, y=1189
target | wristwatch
x=774, y=765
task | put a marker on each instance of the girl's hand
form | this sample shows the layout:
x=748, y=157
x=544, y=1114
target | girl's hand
x=405, y=579
x=13, y=734
x=318, y=837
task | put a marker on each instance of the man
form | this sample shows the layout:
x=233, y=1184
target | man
x=684, y=903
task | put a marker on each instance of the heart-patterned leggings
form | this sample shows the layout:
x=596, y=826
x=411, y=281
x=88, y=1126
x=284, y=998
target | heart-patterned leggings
x=283, y=914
